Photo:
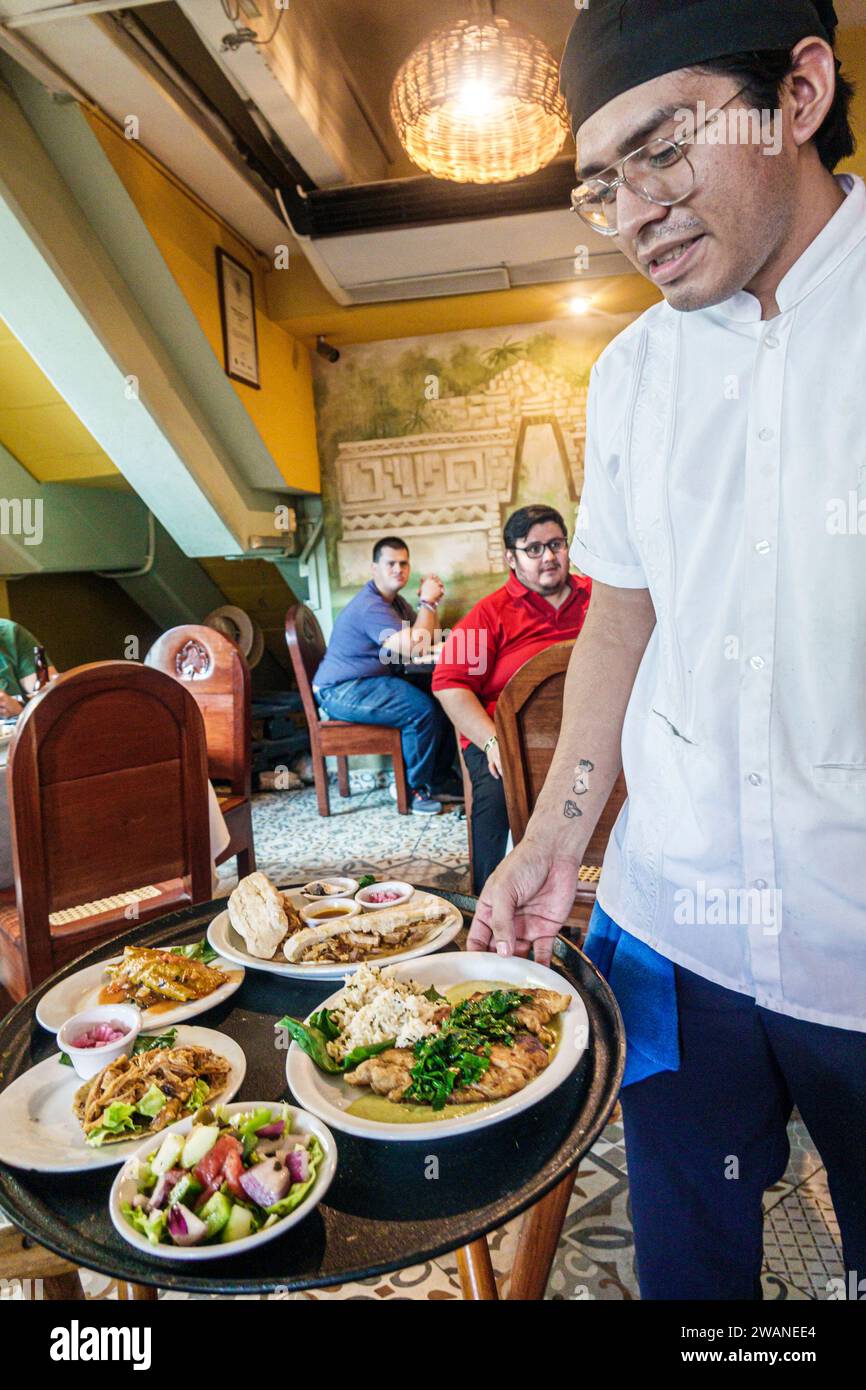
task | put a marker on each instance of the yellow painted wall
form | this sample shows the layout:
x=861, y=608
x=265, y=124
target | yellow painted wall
x=187, y=235
x=852, y=51
x=39, y=429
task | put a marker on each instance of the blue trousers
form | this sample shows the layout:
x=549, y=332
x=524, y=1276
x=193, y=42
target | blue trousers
x=705, y=1141
x=390, y=700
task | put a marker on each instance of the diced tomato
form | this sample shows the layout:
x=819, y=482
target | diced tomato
x=212, y=1168
x=232, y=1171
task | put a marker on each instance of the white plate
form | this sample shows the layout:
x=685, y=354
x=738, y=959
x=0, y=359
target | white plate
x=223, y=937
x=330, y=1096
x=124, y=1189
x=81, y=991
x=39, y=1132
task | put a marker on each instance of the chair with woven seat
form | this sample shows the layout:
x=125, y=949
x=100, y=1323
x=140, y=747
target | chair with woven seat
x=528, y=719
x=334, y=737
x=107, y=781
x=215, y=671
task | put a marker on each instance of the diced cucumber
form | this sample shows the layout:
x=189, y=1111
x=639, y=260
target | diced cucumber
x=199, y=1142
x=185, y=1190
x=239, y=1224
x=168, y=1154
x=216, y=1214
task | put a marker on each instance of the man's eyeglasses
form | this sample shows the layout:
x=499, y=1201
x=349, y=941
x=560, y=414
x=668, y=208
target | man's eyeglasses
x=660, y=172
x=537, y=548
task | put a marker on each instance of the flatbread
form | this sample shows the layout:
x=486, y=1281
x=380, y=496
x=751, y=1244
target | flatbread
x=258, y=915
x=380, y=923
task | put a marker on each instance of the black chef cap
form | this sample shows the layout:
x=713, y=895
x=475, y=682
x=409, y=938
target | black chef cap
x=614, y=46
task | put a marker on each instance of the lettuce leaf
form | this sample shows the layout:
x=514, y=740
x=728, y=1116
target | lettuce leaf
x=196, y=950
x=117, y=1119
x=198, y=1095
x=151, y=1102
x=151, y=1225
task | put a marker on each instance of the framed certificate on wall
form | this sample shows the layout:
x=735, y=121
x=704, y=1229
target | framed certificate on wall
x=238, y=315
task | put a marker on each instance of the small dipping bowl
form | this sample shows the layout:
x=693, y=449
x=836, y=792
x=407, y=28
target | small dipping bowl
x=403, y=892
x=344, y=888
x=328, y=910
x=87, y=1061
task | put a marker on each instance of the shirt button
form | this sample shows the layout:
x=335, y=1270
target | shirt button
x=763, y=547
x=757, y=663
x=766, y=435
x=760, y=884
x=771, y=342
x=755, y=779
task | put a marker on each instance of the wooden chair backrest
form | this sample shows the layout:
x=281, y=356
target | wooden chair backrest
x=215, y=672
x=107, y=785
x=306, y=644
x=528, y=719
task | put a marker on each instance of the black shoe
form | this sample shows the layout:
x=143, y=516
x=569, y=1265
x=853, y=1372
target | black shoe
x=450, y=790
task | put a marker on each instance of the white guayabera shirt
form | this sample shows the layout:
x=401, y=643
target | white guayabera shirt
x=726, y=473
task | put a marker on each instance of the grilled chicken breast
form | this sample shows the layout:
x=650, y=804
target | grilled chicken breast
x=389, y=1074
x=544, y=1005
x=511, y=1068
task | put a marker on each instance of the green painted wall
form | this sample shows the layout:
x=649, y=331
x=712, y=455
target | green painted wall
x=79, y=617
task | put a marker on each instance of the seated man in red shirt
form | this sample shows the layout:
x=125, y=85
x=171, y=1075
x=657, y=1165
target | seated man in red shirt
x=539, y=605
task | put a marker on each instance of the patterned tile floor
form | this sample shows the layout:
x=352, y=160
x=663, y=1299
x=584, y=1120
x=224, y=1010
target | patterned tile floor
x=595, y=1259
x=365, y=832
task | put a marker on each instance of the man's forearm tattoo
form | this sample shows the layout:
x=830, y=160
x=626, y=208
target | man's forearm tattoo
x=580, y=788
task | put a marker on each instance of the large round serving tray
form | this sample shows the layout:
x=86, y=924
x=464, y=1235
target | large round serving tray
x=382, y=1211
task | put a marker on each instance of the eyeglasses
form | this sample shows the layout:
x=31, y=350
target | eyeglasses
x=537, y=548
x=660, y=172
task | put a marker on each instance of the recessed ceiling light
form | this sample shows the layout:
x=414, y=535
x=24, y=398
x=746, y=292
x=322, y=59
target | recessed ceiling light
x=579, y=304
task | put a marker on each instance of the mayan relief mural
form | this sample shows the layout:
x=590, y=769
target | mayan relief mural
x=438, y=439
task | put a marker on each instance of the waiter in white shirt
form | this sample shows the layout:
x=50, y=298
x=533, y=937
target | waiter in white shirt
x=723, y=660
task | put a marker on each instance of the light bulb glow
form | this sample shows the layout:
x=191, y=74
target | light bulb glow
x=476, y=99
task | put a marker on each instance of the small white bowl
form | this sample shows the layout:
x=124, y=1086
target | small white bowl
x=346, y=888
x=392, y=885
x=323, y=910
x=87, y=1061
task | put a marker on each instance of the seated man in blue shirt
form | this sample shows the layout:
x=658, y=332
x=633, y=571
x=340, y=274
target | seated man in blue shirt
x=359, y=681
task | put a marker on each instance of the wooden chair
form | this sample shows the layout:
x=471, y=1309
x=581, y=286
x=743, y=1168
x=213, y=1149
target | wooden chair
x=215, y=672
x=40, y=1273
x=467, y=807
x=107, y=782
x=333, y=737
x=528, y=718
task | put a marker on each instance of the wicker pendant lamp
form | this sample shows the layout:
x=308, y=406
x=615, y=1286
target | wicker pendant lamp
x=479, y=102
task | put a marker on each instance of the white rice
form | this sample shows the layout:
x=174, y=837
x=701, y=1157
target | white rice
x=374, y=1008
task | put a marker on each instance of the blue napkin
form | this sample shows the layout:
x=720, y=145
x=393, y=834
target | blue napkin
x=645, y=989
